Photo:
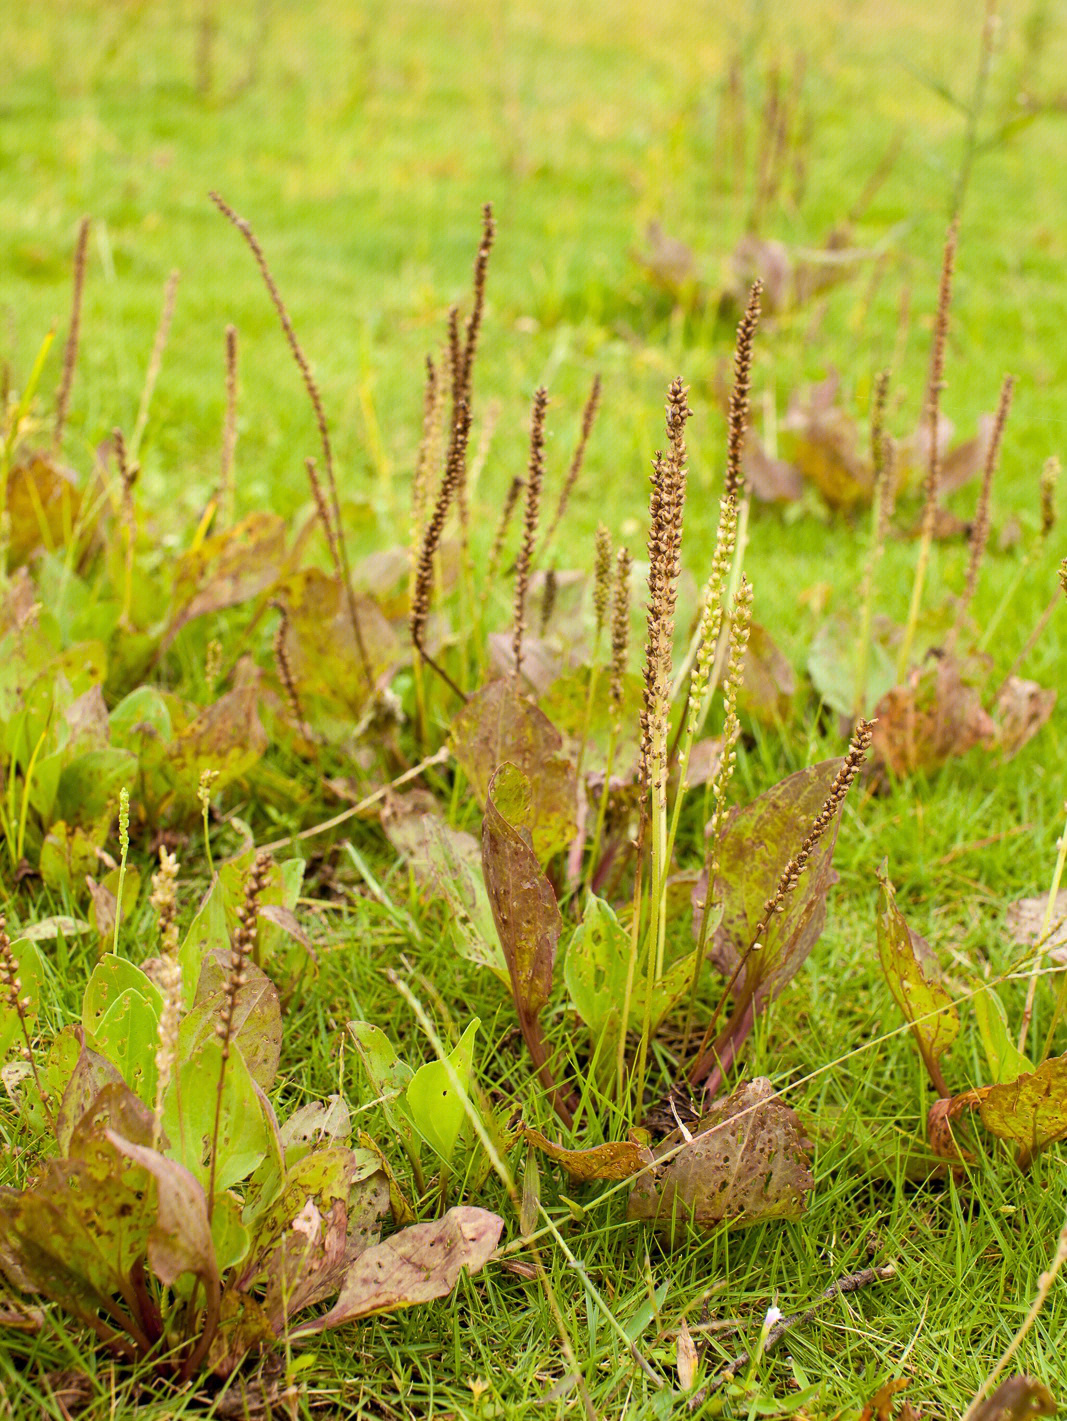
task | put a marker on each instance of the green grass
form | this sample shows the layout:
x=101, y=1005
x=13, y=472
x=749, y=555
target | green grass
x=361, y=151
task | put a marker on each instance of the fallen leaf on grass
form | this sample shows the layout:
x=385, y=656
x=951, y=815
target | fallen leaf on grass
x=499, y=724
x=925, y=1002
x=880, y=1406
x=936, y=715
x=616, y=1159
x=1025, y=921
x=414, y=1266
x=1020, y=710
x=744, y=1164
x=1015, y=1400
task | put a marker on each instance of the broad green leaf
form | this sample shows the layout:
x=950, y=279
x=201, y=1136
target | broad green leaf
x=744, y=1164
x=387, y=1077
x=30, y=974
x=416, y=1265
x=229, y=1236
x=112, y=976
x=128, y=1035
x=524, y=906
x=1006, y=1061
x=497, y=726
x=90, y=1074
x=207, y=933
x=189, y=1112
x=327, y=1213
x=227, y=737
x=67, y=855
x=925, y=1003
x=89, y=783
x=756, y=846
x=435, y=1106
x=447, y=864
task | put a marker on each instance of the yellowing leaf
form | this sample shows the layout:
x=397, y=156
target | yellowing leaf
x=1029, y=1112
x=616, y=1159
x=926, y=1004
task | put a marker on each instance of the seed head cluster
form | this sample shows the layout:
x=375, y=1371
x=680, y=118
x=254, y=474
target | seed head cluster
x=666, y=509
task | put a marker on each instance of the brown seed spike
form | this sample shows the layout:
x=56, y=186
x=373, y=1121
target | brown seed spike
x=589, y=414
x=738, y=416
x=474, y=320
x=70, y=352
x=314, y=396
x=534, y=482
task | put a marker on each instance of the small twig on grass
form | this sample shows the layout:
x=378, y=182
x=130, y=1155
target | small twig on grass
x=850, y=1283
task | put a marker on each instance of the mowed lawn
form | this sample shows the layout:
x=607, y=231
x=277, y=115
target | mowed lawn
x=361, y=142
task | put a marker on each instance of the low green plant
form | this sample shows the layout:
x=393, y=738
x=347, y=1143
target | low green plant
x=174, y=1215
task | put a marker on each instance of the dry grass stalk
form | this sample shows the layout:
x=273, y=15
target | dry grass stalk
x=1050, y=477
x=227, y=486
x=70, y=350
x=164, y=900
x=881, y=514
x=932, y=413
x=535, y=477
x=155, y=360
x=980, y=526
x=314, y=396
x=589, y=414
x=474, y=320
x=242, y=949
x=548, y=598
x=128, y=472
x=323, y=510
x=740, y=624
x=427, y=455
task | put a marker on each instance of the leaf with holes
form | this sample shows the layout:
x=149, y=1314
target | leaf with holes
x=257, y=1017
x=744, y=1164
x=498, y=725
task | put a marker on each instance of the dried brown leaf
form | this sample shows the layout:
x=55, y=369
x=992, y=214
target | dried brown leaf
x=616, y=1159
x=935, y=716
x=745, y=1164
x=1020, y=711
x=1017, y=1399
x=415, y=1265
x=1025, y=920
